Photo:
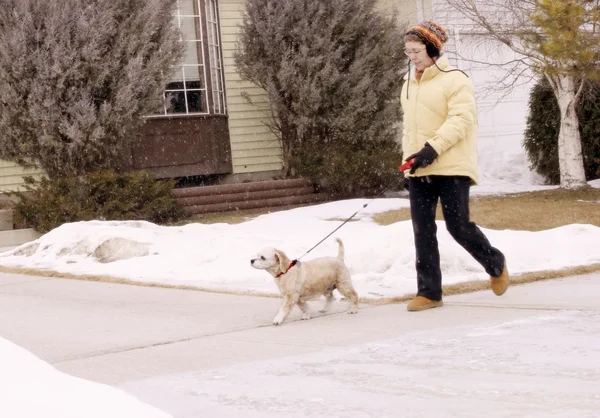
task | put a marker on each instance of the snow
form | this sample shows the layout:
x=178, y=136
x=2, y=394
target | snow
x=32, y=388
x=216, y=256
x=541, y=366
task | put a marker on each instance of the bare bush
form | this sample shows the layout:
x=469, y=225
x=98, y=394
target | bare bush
x=77, y=77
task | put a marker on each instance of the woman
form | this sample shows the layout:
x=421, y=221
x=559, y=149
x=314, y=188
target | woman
x=440, y=136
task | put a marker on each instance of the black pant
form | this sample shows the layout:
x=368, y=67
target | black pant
x=453, y=191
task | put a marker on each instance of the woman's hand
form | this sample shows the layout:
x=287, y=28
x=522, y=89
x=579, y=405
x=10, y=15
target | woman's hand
x=422, y=158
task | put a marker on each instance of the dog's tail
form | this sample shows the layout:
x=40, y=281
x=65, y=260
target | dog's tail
x=340, y=255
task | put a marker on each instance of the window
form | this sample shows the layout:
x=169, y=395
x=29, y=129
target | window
x=216, y=66
x=196, y=86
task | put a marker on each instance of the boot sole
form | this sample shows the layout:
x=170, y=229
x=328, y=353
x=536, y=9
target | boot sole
x=437, y=304
x=500, y=289
x=500, y=284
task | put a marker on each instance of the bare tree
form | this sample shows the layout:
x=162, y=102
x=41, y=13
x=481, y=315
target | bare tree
x=77, y=77
x=556, y=39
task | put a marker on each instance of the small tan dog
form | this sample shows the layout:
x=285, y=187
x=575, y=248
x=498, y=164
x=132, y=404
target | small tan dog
x=301, y=281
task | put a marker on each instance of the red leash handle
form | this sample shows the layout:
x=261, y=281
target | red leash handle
x=407, y=165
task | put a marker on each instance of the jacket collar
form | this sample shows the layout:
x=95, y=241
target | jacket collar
x=432, y=71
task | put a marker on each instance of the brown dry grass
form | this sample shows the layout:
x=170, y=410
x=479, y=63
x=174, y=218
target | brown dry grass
x=534, y=211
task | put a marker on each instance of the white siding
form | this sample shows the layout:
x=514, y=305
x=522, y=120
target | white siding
x=11, y=176
x=254, y=148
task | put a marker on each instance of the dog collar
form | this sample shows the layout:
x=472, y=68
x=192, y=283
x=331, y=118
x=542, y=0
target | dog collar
x=292, y=264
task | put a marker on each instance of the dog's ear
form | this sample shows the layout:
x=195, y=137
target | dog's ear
x=283, y=260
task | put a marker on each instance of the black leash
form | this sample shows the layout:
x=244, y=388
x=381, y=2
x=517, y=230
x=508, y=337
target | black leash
x=344, y=223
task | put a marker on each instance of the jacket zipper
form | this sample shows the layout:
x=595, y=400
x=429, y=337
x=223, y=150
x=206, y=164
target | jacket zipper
x=415, y=125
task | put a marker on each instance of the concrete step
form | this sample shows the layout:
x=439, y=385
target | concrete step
x=258, y=203
x=245, y=196
x=241, y=187
x=252, y=195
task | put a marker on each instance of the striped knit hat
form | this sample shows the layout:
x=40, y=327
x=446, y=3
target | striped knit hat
x=432, y=35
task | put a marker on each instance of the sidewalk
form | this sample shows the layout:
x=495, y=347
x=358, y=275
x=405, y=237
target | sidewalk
x=532, y=352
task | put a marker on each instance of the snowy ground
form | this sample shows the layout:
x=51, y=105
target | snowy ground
x=544, y=366
x=381, y=258
x=32, y=388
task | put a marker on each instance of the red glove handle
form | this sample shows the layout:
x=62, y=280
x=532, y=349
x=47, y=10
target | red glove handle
x=407, y=165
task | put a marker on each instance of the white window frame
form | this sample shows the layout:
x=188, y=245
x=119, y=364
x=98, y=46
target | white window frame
x=216, y=57
x=211, y=104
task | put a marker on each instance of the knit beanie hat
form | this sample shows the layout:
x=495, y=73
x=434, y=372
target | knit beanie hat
x=432, y=35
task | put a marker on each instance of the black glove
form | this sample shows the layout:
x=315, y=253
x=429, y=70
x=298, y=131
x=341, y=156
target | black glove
x=422, y=158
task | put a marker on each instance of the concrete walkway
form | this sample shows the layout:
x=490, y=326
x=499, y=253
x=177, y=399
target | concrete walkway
x=117, y=333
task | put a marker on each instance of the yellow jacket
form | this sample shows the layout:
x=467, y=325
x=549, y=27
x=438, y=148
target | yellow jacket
x=440, y=109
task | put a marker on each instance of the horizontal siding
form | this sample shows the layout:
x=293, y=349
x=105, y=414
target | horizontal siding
x=259, y=139
x=408, y=12
x=8, y=168
x=254, y=148
x=406, y=9
x=250, y=145
x=257, y=152
x=229, y=38
x=256, y=115
x=239, y=100
x=253, y=126
x=11, y=176
x=261, y=159
x=250, y=167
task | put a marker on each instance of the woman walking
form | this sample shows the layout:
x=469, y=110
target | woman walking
x=440, y=136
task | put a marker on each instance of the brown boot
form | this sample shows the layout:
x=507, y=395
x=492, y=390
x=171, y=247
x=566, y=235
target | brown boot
x=421, y=303
x=500, y=283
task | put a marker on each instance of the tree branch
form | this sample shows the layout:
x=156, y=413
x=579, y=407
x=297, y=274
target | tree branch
x=470, y=10
x=582, y=84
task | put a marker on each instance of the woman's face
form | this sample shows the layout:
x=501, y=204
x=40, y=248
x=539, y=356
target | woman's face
x=418, y=55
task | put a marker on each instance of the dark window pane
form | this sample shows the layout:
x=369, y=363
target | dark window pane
x=194, y=101
x=175, y=85
x=193, y=84
x=175, y=102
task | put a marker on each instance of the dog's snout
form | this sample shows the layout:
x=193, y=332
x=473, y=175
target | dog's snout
x=252, y=261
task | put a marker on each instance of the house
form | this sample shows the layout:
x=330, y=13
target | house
x=207, y=127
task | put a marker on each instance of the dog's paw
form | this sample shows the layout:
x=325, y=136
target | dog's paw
x=277, y=320
x=353, y=310
x=305, y=316
x=323, y=310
